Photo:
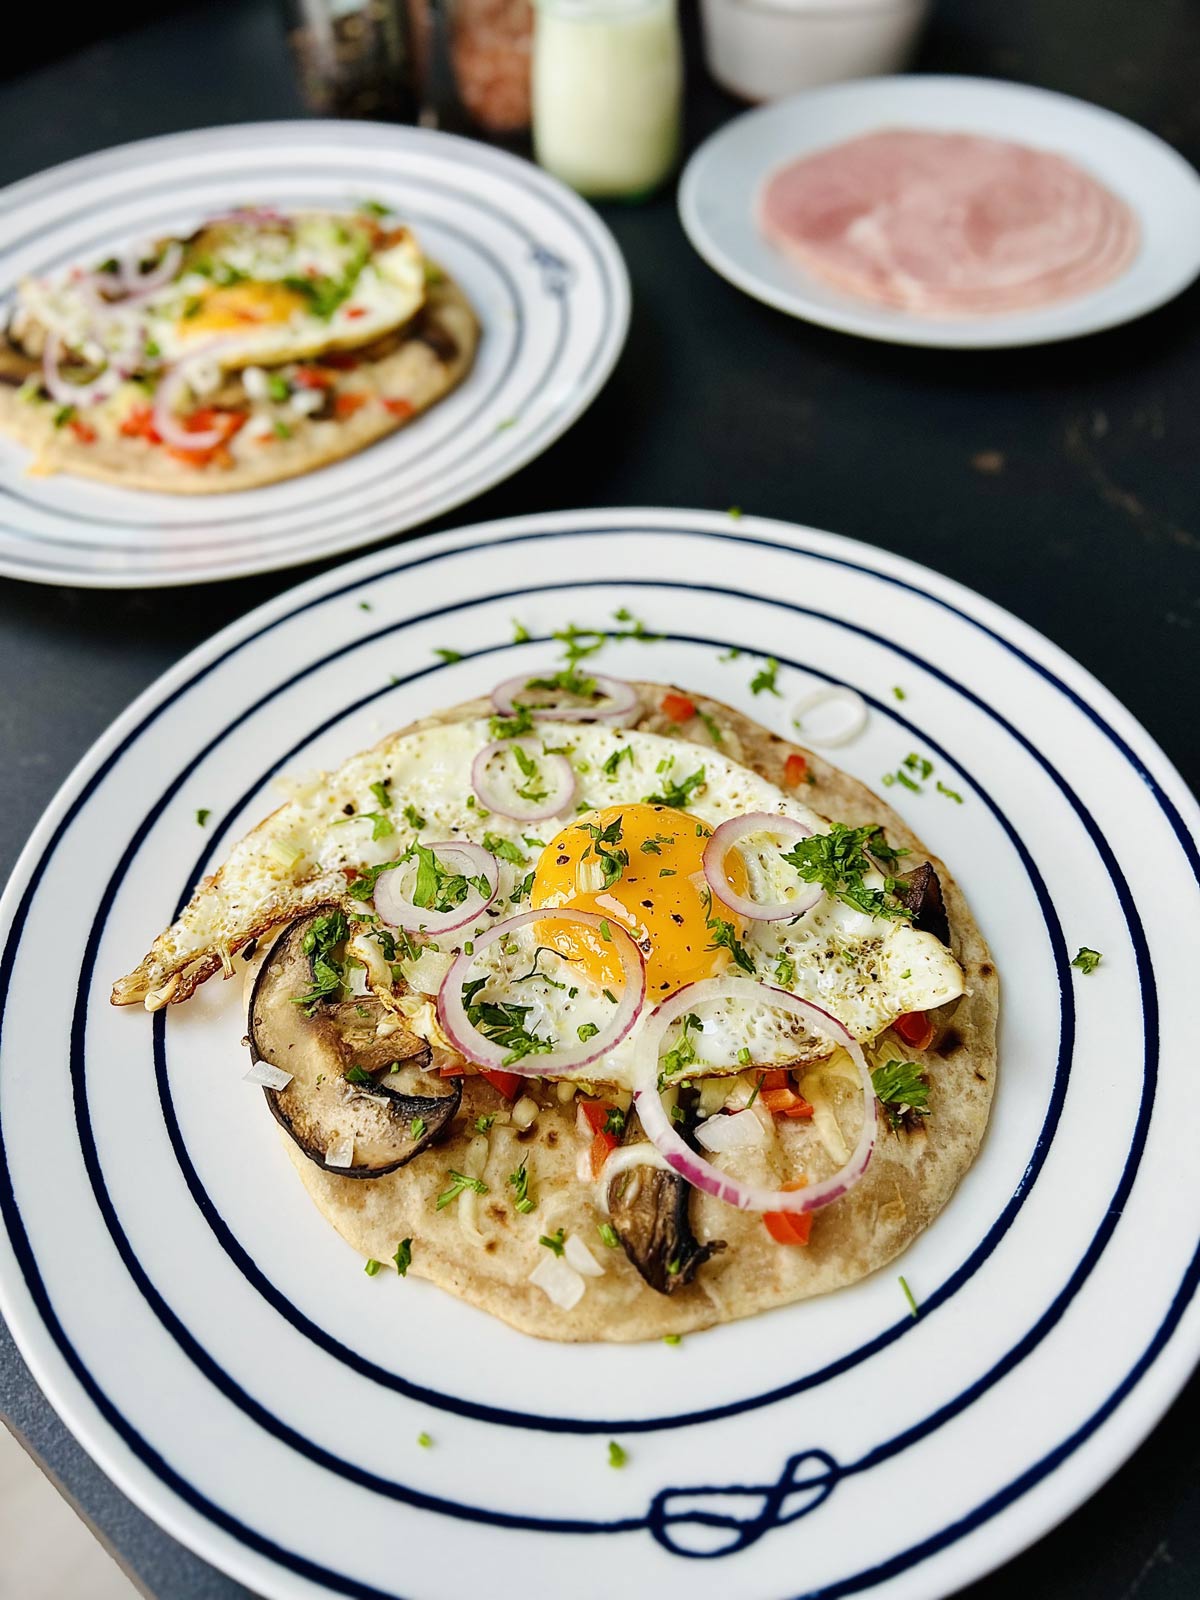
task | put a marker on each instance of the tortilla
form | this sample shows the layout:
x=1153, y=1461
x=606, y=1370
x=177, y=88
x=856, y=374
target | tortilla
x=419, y=365
x=912, y=1174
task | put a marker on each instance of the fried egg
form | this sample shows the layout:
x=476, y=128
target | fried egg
x=665, y=797
x=247, y=291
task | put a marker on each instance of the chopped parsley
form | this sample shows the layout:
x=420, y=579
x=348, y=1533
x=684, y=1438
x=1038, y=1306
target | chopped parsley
x=449, y=656
x=902, y=1091
x=612, y=861
x=383, y=793
x=724, y=936
x=403, y=1257
x=951, y=794
x=908, y=1295
x=566, y=681
x=414, y=818
x=617, y=1455
x=734, y=513
x=372, y=1266
x=459, y=1182
x=714, y=732
x=523, y=1201
x=636, y=629
x=653, y=847
x=682, y=1056
x=356, y=1074
x=555, y=1241
x=512, y=727
x=504, y=848
x=483, y=1124
x=672, y=1338
x=364, y=887
x=1087, y=960
x=899, y=692
x=579, y=643
x=320, y=942
x=503, y=1023
x=677, y=795
x=838, y=861
x=202, y=815
x=609, y=1235
x=374, y=208
x=614, y=1122
x=921, y=765
x=625, y=753
x=521, y=634
x=438, y=889
x=785, y=972
x=424, y=1441
x=764, y=678
x=586, y=1031
x=417, y=1127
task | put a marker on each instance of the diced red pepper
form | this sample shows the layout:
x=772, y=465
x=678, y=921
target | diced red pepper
x=340, y=360
x=506, y=1083
x=313, y=378
x=786, y=1103
x=82, y=431
x=354, y=312
x=915, y=1028
x=399, y=408
x=208, y=418
x=774, y=1078
x=601, y=1148
x=347, y=404
x=788, y=1227
x=139, y=424
x=678, y=707
x=795, y=771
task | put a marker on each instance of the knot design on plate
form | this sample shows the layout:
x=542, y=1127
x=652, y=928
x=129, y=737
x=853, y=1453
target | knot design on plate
x=557, y=274
x=707, y=1522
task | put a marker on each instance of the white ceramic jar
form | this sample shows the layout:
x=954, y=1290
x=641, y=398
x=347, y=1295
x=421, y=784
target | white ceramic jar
x=607, y=93
x=762, y=49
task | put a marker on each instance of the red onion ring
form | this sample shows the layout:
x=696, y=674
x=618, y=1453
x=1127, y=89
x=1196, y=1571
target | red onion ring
x=702, y=1174
x=452, y=1013
x=73, y=394
x=725, y=838
x=623, y=697
x=138, y=284
x=399, y=911
x=558, y=797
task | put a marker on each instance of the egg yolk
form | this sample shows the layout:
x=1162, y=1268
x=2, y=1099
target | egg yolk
x=660, y=895
x=242, y=305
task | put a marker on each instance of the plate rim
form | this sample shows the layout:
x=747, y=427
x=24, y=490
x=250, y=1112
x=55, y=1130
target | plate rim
x=864, y=321
x=198, y=1530
x=318, y=132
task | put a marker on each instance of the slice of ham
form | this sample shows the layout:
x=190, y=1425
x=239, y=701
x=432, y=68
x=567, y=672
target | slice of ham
x=948, y=224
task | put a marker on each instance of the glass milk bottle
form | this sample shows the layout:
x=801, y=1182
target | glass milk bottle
x=607, y=92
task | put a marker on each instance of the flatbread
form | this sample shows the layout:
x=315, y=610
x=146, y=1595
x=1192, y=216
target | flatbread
x=911, y=1176
x=421, y=367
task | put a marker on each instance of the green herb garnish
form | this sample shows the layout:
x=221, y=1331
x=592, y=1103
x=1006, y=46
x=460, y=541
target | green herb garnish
x=617, y=1456
x=320, y=941
x=459, y=1182
x=202, y=815
x=764, y=678
x=838, y=860
x=1087, y=960
x=523, y=1201
x=677, y=795
x=555, y=1241
x=902, y=1091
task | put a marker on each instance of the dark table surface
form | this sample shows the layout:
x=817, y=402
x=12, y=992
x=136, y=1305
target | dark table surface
x=1060, y=482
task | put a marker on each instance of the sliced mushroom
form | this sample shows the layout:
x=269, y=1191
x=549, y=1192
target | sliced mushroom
x=649, y=1209
x=350, y=1081
x=920, y=891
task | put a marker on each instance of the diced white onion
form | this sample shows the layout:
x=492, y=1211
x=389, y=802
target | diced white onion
x=558, y=1281
x=565, y=1092
x=305, y=401
x=269, y=1077
x=524, y=1113
x=476, y=1156
x=847, y=721
x=740, y=1131
x=341, y=1152
x=254, y=380
x=581, y=1258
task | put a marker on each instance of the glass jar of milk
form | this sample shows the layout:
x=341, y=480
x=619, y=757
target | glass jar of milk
x=607, y=91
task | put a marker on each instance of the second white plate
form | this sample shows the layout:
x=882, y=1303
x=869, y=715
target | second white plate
x=718, y=190
x=542, y=271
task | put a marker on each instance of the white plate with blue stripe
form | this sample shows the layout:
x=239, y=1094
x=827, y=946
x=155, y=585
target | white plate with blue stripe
x=220, y=1351
x=543, y=272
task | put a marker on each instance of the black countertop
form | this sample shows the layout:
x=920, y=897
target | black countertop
x=1060, y=482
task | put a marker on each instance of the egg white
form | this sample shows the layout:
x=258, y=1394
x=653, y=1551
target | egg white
x=863, y=970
